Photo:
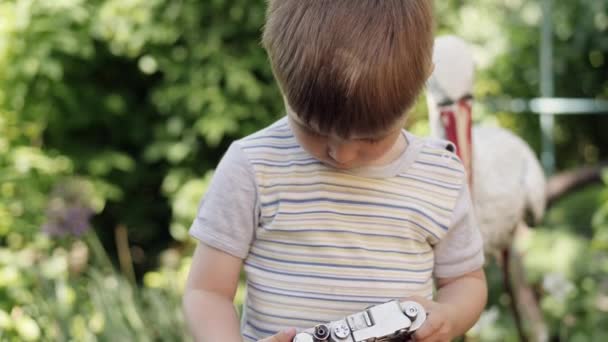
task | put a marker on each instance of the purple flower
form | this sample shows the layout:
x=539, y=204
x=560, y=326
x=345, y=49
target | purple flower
x=69, y=211
x=70, y=221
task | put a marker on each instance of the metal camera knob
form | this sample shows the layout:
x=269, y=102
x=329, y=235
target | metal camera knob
x=322, y=332
x=415, y=312
x=411, y=311
x=341, y=330
x=303, y=337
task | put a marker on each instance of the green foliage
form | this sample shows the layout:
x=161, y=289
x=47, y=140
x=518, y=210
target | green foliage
x=139, y=99
x=506, y=41
x=68, y=290
x=134, y=102
x=600, y=219
x=133, y=93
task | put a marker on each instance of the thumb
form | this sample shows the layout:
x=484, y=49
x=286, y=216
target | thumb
x=286, y=335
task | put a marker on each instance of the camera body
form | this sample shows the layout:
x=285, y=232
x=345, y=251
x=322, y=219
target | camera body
x=391, y=321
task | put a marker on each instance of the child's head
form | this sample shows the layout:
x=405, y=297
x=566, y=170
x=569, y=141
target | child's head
x=350, y=67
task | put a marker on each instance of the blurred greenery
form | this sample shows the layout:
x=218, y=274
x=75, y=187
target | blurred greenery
x=506, y=41
x=114, y=113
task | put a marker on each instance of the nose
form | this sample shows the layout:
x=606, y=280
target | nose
x=342, y=152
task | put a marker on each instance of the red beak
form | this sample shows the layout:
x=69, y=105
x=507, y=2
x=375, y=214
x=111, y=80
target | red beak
x=456, y=119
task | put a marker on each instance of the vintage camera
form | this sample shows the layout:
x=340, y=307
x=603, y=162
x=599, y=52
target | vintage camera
x=391, y=321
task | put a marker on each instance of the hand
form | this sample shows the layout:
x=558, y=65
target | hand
x=438, y=327
x=286, y=335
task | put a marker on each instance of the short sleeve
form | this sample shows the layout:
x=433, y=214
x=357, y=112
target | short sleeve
x=461, y=250
x=228, y=212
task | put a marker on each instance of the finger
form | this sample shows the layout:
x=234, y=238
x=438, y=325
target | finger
x=433, y=339
x=286, y=335
x=430, y=328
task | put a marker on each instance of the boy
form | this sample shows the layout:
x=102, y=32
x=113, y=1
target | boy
x=335, y=207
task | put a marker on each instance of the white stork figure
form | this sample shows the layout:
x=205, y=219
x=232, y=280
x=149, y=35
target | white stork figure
x=507, y=180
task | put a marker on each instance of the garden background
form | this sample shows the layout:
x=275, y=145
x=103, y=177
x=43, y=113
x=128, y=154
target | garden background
x=113, y=114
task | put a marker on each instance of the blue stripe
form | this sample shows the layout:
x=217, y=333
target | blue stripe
x=355, y=222
x=403, y=175
x=307, y=275
x=280, y=126
x=362, y=203
x=266, y=160
x=381, y=299
x=353, y=187
x=339, y=231
x=282, y=317
x=288, y=147
x=337, y=300
x=288, y=164
x=342, y=247
x=355, y=215
x=454, y=158
x=438, y=165
x=270, y=137
x=258, y=329
x=434, y=182
x=250, y=337
x=338, y=265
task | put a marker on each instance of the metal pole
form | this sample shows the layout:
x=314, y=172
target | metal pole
x=547, y=86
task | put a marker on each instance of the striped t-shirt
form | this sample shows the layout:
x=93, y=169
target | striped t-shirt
x=320, y=243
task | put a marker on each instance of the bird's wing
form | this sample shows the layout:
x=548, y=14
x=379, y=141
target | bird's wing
x=506, y=183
